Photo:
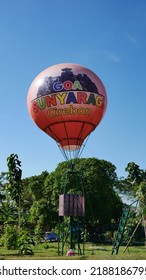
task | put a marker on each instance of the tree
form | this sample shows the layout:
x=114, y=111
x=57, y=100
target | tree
x=14, y=186
x=134, y=186
x=135, y=174
x=97, y=179
x=40, y=199
x=130, y=185
x=8, y=212
x=93, y=177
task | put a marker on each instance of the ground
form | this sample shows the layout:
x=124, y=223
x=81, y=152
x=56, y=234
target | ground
x=92, y=252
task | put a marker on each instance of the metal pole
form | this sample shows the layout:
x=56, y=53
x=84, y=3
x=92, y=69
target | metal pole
x=132, y=235
x=71, y=232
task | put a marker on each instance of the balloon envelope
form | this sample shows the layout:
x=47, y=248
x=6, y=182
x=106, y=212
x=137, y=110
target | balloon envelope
x=67, y=101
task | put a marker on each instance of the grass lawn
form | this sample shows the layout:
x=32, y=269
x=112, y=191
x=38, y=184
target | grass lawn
x=96, y=252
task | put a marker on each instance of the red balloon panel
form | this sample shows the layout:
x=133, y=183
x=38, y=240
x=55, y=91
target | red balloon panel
x=73, y=133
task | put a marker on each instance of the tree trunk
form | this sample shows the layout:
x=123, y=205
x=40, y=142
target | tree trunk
x=19, y=216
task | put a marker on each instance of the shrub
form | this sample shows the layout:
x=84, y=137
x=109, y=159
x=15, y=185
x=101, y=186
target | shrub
x=25, y=243
x=10, y=237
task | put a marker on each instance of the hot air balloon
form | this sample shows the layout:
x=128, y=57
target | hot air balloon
x=67, y=101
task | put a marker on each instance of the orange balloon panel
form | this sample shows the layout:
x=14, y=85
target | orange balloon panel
x=67, y=101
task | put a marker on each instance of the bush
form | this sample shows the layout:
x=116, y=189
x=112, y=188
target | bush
x=38, y=234
x=10, y=237
x=25, y=243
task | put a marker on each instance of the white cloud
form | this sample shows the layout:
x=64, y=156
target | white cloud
x=90, y=51
x=131, y=38
x=110, y=56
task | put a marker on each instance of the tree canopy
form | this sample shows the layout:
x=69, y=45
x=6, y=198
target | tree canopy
x=95, y=179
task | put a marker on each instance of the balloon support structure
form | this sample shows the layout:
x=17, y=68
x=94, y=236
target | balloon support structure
x=128, y=211
x=71, y=217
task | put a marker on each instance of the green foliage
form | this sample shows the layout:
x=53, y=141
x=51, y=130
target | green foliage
x=63, y=230
x=14, y=186
x=135, y=174
x=135, y=177
x=10, y=237
x=95, y=179
x=141, y=193
x=38, y=233
x=8, y=212
x=36, y=185
x=134, y=185
x=46, y=245
x=25, y=243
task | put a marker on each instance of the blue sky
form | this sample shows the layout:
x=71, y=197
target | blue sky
x=106, y=36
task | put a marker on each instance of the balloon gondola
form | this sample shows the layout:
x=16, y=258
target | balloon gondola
x=67, y=101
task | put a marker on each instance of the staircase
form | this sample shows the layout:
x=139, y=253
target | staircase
x=120, y=231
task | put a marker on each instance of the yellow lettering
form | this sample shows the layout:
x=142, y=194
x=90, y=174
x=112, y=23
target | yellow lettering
x=99, y=100
x=52, y=112
x=61, y=97
x=65, y=111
